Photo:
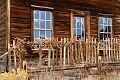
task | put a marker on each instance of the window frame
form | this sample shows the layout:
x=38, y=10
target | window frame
x=79, y=13
x=107, y=28
x=32, y=22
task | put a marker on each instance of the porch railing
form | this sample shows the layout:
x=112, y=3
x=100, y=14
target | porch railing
x=64, y=52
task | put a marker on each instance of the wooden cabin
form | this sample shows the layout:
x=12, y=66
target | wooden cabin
x=47, y=19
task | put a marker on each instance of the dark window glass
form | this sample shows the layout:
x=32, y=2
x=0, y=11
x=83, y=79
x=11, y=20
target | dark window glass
x=101, y=36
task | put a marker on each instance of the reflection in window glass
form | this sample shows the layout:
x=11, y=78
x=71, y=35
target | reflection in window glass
x=42, y=24
x=79, y=28
x=36, y=23
x=36, y=14
x=105, y=26
x=42, y=15
x=48, y=24
x=48, y=15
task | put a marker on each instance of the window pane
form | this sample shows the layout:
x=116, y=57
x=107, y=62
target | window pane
x=42, y=15
x=109, y=21
x=105, y=21
x=101, y=28
x=79, y=33
x=48, y=34
x=109, y=35
x=36, y=33
x=105, y=36
x=36, y=23
x=42, y=24
x=78, y=24
x=48, y=15
x=48, y=25
x=82, y=33
x=42, y=34
x=101, y=36
x=101, y=20
x=36, y=14
x=105, y=28
x=109, y=28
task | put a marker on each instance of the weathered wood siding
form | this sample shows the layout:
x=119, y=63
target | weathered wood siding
x=3, y=26
x=61, y=23
x=21, y=16
x=117, y=24
x=94, y=26
x=20, y=19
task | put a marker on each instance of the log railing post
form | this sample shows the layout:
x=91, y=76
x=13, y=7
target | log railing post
x=15, y=63
x=61, y=51
x=64, y=60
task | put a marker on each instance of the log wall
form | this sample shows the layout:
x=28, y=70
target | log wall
x=117, y=24
x=21, y=24
x=20, y=19
x=3, y=26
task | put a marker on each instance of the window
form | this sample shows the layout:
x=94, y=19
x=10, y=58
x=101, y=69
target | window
x=42, y=24
x=105, y=27
x=79, y=28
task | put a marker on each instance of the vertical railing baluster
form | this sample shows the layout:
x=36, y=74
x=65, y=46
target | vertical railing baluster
x=61, y=51
x=64, y=58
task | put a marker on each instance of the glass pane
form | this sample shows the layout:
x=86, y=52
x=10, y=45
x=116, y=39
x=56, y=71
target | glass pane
x=78, y=22
x=82, y=20
x=101, y=36
x=109, y=21
x=36, y=23
x=105, y=21
x=109, y=35
x=36, y=14
x=42, y=15
x=105, y=28
x=42, y=34
x=48, y=34
x=109, y=28
x=79, y=33
x=74, y=22
x=48, y=25
x=82, y=33
x=36, y=33
x=101, y=28
x=42, y=24
x=101, y=20
x=48, y=15
x=105, y=36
